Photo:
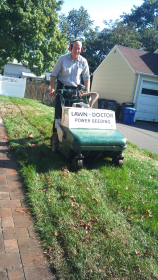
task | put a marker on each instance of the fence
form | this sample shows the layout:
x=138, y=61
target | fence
x=14, y=87
x=36, y=90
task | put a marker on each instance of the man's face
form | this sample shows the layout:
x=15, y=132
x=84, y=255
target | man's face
x=76, y=50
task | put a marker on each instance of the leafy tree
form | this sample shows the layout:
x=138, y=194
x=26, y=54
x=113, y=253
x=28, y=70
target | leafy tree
x=149, y=38
x=99, y=43
x=95, y=48
x=30, y=34
x=75, y=24
x=125, y=35
x=145, y=20
x=143, y=15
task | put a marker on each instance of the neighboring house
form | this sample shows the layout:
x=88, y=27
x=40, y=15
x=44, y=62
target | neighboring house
x=17, y=70
x=13, y=81
x=130, y=75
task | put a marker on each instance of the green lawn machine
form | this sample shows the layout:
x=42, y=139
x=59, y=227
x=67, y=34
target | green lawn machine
x=84, y=133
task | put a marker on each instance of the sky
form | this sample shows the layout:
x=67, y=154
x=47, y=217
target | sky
x=100, y=10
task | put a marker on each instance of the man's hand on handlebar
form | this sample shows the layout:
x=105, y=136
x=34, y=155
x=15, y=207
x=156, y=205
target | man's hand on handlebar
x=52, y=92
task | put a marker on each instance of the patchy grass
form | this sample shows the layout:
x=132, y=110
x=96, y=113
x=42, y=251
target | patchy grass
x=98, y=223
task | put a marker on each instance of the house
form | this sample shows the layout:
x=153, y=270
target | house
x=13, y=82
x=130, y=75
x=17, y=70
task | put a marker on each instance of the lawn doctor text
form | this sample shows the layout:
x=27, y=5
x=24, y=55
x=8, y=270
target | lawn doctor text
x=74, y=117
x=96, y=117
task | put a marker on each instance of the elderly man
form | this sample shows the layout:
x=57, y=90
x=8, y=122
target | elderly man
x=68, y=70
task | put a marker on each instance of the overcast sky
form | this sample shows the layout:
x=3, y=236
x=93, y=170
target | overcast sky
x=101, y=9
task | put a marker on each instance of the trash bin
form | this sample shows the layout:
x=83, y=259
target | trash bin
x=110, y=103
x=103, y=103
x=128, y=115
x=125, y=104
x=117, y=108
x=100, y=103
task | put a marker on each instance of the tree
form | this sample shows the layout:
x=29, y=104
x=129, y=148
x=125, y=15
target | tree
x=145, y=20
x=125, y=35
x=30, y=34
x=98, y=44
x=143, y=15
x=149, y=37
x=94, y=48
x=75, y=24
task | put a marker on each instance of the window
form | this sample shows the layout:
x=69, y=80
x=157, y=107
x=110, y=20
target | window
x=150, y=91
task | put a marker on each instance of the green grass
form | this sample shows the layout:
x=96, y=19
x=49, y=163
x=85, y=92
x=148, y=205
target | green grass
x=98, y=223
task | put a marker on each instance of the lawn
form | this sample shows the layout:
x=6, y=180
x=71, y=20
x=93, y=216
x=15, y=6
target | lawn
x=100, y=222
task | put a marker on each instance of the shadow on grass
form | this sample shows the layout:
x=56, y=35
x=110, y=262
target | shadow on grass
x=39, y=155
x=33, y=152
x=99, y=163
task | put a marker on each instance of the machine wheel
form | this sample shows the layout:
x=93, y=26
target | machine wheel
x=120, y=163
x=54, y=142
x=77, y=163
x=117, y=161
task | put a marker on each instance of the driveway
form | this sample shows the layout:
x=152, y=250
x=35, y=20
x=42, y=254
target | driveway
x=142, y=134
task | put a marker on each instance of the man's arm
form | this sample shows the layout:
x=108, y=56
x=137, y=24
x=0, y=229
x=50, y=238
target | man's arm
x=55, y=72
x=52, y=85
x=87, y=85
x=85, y=75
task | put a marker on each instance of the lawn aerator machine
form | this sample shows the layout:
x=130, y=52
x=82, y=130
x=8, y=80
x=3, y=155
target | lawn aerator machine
x=84, y=133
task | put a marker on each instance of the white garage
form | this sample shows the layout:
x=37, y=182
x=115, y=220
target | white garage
x=147, y=106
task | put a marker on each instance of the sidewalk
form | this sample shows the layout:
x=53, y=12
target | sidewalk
x=21, y=257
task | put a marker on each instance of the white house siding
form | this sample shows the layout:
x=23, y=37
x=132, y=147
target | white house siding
x=114, y=78
x=15, y=70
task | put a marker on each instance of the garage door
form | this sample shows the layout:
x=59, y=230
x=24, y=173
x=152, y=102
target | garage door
x=147, y=108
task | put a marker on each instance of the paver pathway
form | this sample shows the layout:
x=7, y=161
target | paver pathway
x=21, y=257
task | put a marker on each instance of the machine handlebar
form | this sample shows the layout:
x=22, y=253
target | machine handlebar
x=82, y=94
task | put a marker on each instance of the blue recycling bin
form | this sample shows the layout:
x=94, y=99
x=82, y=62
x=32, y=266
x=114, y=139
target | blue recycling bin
x=128, y=115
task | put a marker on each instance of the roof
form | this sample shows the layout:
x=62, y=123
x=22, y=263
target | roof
x=31, y=75
x=140, y=61
x=14, y=62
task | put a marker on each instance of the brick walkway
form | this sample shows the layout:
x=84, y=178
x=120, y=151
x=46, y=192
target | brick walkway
x=21, y=257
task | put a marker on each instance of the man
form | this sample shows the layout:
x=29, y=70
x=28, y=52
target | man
x=68, y=70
